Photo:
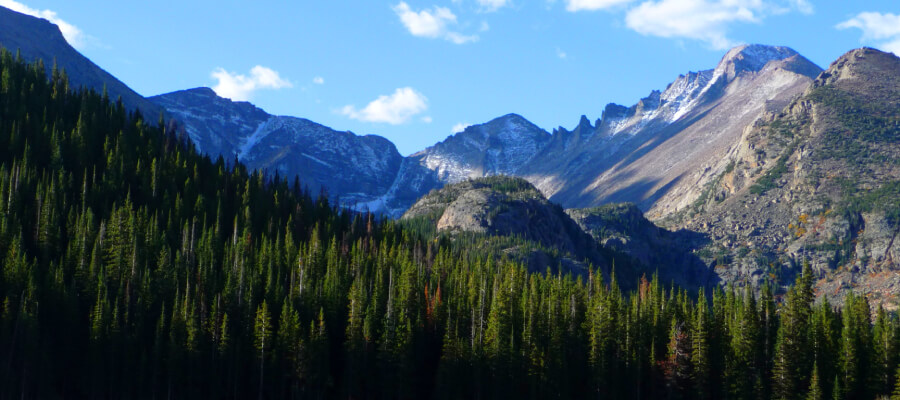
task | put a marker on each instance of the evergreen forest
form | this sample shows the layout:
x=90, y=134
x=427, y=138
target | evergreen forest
x=134, y=267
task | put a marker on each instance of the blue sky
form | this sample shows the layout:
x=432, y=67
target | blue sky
x=413, y=70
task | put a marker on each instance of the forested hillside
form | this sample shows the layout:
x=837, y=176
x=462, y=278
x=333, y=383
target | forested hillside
x=132, y=267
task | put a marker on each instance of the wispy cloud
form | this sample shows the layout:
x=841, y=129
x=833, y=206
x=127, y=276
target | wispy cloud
x=804, y=6
x=592, y=5
x=433, y=24
x=459, y=127
x=492, y=5
x=881, y=29
x=394, y=109
x=72, y=33
x=240, y=87
x=705, y=20
x=561, y=54
x=319, y=80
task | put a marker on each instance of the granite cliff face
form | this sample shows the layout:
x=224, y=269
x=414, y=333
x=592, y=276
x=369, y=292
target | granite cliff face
x=817, y=181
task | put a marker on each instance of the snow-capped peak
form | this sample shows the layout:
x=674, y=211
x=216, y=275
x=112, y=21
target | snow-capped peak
x=750, y=57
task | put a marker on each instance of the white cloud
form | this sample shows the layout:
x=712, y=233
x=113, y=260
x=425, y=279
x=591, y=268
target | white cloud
x=319, y=80
x=592, y=5
x=893, y=47
x=241, y=87
x=460, y=127
x=561, y=54
x=883, y=29
x=704, y=20
x=395, y=109
x=73, y=35
x=433, y=24
x=427, y=119
x=803, y=6
x=492, y=5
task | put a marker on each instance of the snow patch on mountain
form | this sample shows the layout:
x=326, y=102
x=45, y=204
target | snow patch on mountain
x=252, y=140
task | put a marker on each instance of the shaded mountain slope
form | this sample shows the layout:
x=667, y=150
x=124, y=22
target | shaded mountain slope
x=38, y=39
x=672, y=255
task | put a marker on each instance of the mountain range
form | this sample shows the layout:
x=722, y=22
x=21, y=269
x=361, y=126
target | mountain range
x=767, y=158
x=655, y=153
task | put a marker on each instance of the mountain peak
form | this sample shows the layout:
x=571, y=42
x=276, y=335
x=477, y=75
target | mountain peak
x=16, y=21
x=510, y=118
x=509, y=124
x=866, y=63
x=750, y=58
x=202, y=90
x=584, y=124
x=757, y=55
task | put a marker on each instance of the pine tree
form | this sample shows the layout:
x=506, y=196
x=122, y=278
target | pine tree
x=856, y=347
x=896, y=394
x=815, y=389
x=262, y=333
x=700, y=349
x=883, y=346
x=792, y=361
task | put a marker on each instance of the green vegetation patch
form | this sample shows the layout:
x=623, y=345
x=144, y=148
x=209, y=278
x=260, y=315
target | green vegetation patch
x=769, y=180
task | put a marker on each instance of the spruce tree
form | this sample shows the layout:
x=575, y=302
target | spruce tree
x=815, y=387
x=262, y=333
x=896, y=394
x=792, y=360
x=700, y=356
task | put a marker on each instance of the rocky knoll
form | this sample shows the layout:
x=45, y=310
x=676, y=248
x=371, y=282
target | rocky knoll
x=501, y=206
x=818, y=181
